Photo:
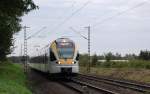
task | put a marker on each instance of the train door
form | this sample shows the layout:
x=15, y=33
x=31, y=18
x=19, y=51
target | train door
x=52, y=60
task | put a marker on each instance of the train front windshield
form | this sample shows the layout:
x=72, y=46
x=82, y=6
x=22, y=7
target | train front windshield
x=65, y=49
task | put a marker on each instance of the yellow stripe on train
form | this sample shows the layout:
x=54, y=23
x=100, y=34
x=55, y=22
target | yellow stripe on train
x=66, y=61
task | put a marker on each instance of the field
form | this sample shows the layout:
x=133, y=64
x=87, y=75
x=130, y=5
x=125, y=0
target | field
x=12, y=79
x=132, y=70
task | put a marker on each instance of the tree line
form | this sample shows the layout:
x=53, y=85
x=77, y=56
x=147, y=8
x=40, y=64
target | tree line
x=11, y=12
x=143, y=55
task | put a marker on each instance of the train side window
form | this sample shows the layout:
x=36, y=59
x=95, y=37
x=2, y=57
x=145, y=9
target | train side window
x=52, y=56
x=77, y=58
x=46, y=59
x=40, y=59
x=43, y=57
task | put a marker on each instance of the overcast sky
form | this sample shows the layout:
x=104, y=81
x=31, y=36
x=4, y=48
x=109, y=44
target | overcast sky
x=121, y=26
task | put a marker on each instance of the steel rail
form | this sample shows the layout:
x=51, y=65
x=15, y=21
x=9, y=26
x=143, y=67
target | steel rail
x=94, y=87
x=71, y=87
x=124, y=84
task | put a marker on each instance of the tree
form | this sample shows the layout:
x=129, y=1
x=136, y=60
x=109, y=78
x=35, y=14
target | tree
x=144, y=55
x=130, y=56
x=83, y=61
x=108, y=56
x=10, y=18
x=94, y=60
x=118, y=56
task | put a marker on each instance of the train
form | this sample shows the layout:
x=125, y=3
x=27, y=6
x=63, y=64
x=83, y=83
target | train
x=59, y=58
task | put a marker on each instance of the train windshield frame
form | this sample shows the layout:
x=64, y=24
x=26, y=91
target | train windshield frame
x=65, y=50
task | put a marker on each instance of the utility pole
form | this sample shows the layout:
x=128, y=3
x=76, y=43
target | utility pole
x=21, y=50
x=89, y=49
x=21, y=54
x=25, y=58
x=89, y=41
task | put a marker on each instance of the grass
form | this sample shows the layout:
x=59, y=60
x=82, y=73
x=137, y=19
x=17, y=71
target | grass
x=140, y=75
x=12, y=79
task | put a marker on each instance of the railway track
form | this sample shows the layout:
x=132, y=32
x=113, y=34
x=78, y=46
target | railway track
x=86, y=88
x=74, y=85
x=71, y=86
x=124, y=84
x=91, y=85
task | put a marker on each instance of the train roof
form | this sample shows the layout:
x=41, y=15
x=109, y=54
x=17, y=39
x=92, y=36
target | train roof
x=64, y=40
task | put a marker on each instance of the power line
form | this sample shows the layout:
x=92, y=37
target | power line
x=36, y=33
x=79, y=33
x=71, y=7
x=89, y=44
x=72, y=14
x=120, y=13
x=68, y=18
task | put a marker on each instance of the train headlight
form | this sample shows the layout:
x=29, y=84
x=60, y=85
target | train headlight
x=59, y=62
x=73, y=62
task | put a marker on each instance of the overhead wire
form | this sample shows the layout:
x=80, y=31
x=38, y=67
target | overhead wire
x=78, y=33
x=75, y=12
x=100, y=22
x=62, y=23
x=33, y=35
x=71, y=15
x=119, y=13
x=36, y=33
x=96, y=24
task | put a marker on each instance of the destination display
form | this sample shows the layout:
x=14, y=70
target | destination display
x=64, y=44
